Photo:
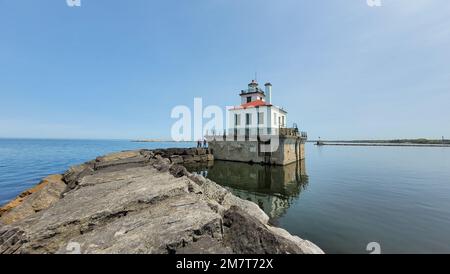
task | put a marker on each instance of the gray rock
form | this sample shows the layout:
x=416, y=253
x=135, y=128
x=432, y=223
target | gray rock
x=200, y=151
x=191, y=151
x=205, y=245
x=113, y=206
x=209, y=157
x=75, y=173
x=175, y=151
x=306, y=246
x=246, y=235
x=188, y=159
x=147, y=153
x=176, y=159
x=119, y=156
x=44, y=195
x=178, y=171
x=130, y=162
x=197, y=158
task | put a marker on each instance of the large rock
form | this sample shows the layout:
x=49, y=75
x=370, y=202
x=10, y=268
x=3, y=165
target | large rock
x=176, y=159
x=155, y=207
x=245, y=234
x=45, y=194
x=119, y=156
x=75, y=173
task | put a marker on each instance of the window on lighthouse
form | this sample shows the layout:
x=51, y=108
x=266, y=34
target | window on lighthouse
x=249, y=99
x=248, y=119
x=237, y=119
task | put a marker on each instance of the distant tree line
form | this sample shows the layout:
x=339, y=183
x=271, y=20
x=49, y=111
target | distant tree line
x=419, y=141
x=396, y=141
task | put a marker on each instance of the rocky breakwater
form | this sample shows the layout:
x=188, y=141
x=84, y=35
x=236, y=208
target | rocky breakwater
x=141, y=201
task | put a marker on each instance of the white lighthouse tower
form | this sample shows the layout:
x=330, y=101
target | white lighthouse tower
x=257, y=132
x=256, y=115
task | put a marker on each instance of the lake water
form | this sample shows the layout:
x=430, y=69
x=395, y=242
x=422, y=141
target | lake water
x=340, y=198
x=24, y=162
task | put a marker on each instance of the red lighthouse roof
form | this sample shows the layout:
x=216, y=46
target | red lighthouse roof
x=257, y=103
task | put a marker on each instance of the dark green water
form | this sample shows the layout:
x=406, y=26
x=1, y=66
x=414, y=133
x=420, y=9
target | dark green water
x=343, y=198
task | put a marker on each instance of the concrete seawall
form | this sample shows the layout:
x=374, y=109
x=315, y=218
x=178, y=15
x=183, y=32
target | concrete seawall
x=141, y=201
x=286, y=150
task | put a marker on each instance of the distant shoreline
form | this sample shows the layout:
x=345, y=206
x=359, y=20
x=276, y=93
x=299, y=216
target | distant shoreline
x=391, y=143
x=381, y=144
x=418, y=141
x=157, y=141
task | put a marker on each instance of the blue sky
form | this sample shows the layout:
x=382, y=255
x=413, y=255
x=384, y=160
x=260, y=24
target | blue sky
x=116, y=68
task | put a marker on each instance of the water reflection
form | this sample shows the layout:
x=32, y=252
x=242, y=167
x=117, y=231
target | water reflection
x=273, y=188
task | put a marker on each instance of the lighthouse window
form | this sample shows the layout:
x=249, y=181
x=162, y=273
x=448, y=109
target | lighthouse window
x=249, y=99
x=237, y=119
x=248, y=118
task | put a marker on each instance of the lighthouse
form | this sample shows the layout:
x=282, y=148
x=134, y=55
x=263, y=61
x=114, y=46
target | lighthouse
x=256, y=115
x=255, y=124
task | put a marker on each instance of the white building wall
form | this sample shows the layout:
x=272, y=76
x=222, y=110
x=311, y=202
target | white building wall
x=268, y=117
x=275, y=121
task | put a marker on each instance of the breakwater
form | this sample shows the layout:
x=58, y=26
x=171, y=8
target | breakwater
x=142, y=201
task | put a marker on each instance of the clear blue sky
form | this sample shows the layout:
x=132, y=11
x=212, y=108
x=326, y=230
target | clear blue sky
x=115, y=68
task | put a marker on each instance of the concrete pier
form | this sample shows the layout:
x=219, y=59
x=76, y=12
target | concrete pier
x=288, y=147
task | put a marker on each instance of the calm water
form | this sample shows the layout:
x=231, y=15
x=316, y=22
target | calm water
x=341, y=198
x=24, y=162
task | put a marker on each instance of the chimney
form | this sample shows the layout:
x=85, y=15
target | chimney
x=269, y=91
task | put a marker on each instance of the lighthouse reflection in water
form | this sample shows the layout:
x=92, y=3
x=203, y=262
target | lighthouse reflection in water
x=273, y=188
